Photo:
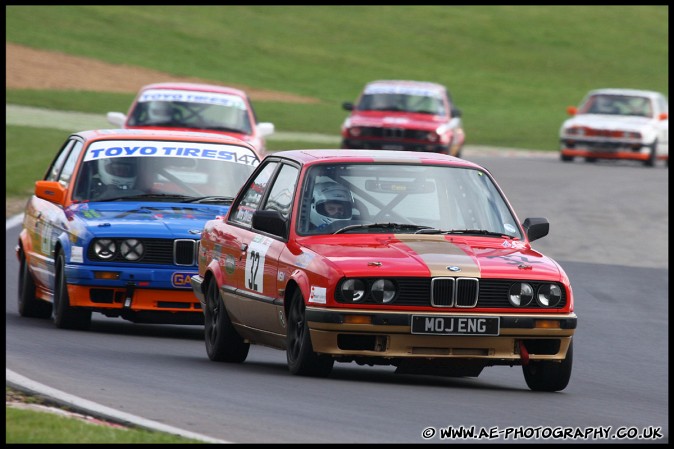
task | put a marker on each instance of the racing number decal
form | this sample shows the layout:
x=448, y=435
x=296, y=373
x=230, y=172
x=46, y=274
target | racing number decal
x=255, y=258
x=254, y=267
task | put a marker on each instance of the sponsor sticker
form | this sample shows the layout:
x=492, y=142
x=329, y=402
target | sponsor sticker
x=146, y=148
x=317, y=295
x=181, y=279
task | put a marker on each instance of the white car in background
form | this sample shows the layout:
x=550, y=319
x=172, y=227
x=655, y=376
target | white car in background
x=617, y=124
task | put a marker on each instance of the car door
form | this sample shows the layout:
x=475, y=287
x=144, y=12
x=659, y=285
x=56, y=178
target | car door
x=46, y=221
x=257, y=302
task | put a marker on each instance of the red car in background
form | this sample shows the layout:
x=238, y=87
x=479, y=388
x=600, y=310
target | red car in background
x=196, y=107
x=404, y=115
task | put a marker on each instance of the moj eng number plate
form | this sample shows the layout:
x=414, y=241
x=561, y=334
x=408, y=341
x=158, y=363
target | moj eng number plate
x=455, y=325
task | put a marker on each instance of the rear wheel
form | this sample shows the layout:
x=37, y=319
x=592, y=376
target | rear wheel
x=302, y=360
x=223, y=343
x=65, y=316
x=543, y=375
x=29, y=305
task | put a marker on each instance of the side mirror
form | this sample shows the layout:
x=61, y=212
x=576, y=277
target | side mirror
x=535, y=228
x=456, y=112
x=347, y=105
x=663, y=116
x=271, y=222
x=572, y=110
x=51, y=191
x=116, y=118
x=265, y=128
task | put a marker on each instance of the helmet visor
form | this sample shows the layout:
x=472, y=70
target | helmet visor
x=335, y=209
x=121, y=168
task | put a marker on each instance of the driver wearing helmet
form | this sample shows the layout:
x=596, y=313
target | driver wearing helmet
x=332, y=202
x=160, y=112
x=120, y=172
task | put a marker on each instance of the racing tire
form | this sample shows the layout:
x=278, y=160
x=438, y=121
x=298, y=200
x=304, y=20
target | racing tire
x=29, y=305
x=65, y=316
x=302, y=360
x=542, y=375
x=223, y=343
x=652, y=156
x=565, y=158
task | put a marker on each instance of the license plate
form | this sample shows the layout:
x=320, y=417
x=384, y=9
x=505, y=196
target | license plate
x=455, y=325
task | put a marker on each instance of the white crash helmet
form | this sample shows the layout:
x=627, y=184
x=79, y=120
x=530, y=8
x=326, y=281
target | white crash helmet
x=340, y=207
x=120, y=172
x=159, y=112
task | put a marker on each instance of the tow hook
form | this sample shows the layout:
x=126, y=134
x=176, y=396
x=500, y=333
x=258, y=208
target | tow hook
x=129, y=294
x=523, y=353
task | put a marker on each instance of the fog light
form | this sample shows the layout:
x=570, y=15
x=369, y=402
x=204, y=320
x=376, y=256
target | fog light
x=108, y=275
x=547, y=324
x=357, y=319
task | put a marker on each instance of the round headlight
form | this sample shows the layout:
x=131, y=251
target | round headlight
x=549, y=295
x=520, y=294
x=105, y=249
x=353, y=290
x=383, y=291
x=131, y=249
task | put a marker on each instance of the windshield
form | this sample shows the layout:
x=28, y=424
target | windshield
x=617, y=105
x=389, y=198
x=195, y=110
x=421, y=104
x=118, y=170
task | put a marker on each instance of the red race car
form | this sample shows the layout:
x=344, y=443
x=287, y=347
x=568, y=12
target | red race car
x=410, y=259
x=196, y=107
x=404, y=115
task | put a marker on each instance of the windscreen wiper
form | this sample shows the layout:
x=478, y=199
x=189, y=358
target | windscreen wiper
x=148, y=196
x=479, y=232
x=400, y=226
x=210, y=199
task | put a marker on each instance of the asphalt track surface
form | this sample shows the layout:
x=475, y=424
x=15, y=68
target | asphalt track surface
x=609, y=231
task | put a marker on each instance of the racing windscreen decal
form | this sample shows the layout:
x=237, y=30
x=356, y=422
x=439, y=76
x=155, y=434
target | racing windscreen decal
x=255, y=260
x=399, y=89
x=441, y=256
x=128, y=148
x=187, y=96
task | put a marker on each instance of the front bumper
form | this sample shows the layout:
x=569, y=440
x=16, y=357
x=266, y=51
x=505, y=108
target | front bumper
x=388, y=335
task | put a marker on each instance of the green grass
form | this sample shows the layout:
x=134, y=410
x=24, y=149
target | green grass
x=511, y=69
x=29, y=426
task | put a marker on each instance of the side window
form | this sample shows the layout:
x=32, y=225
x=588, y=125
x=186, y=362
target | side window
x=250, y=201
x=70, y=164
x=282, y=191
x=55, y=169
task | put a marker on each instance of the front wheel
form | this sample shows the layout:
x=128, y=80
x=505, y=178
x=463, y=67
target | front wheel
x=302, y=360
x=223, y=343
x=545, y=375
x=652, y=155
x=65, y=316
x=29, y=305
